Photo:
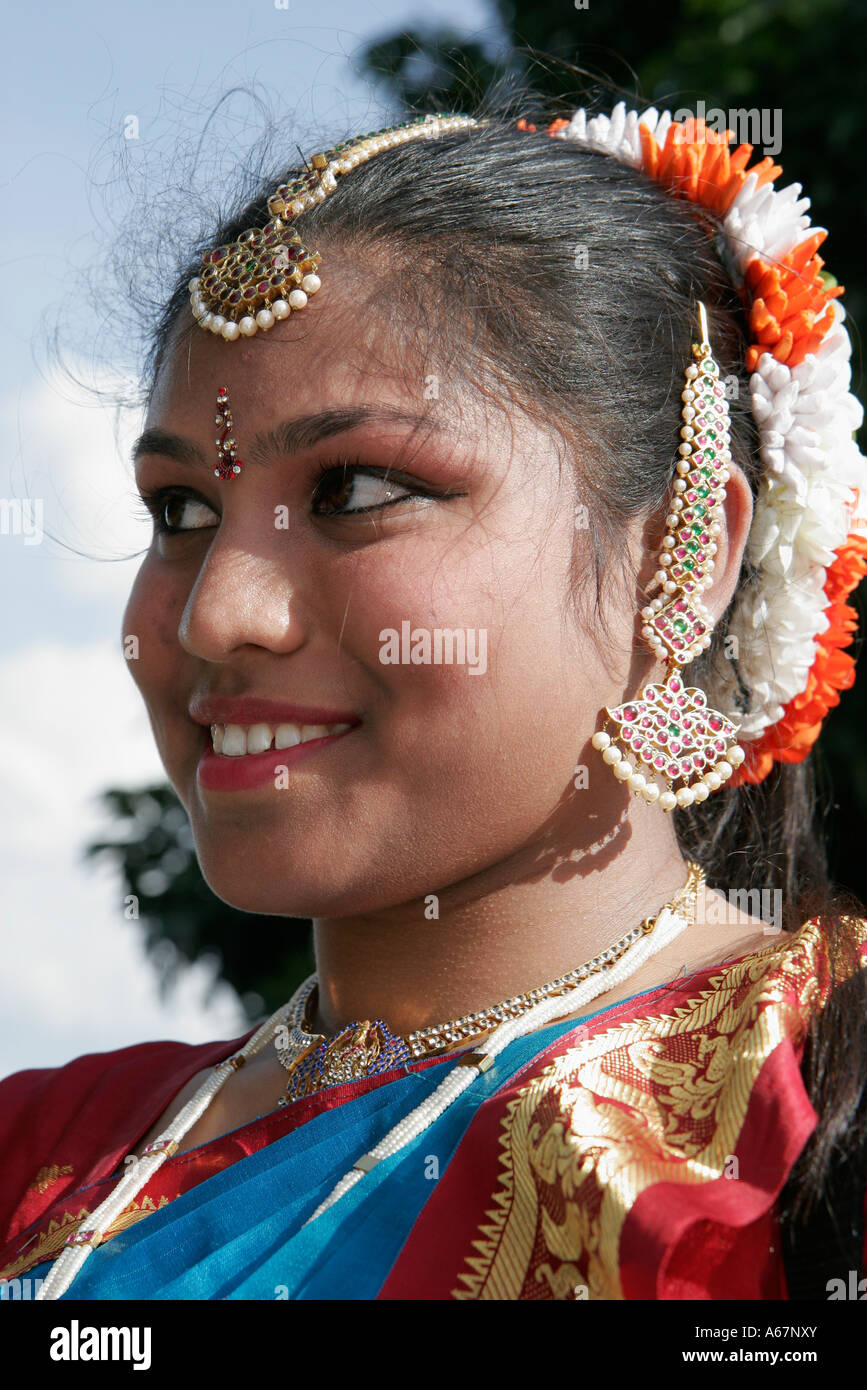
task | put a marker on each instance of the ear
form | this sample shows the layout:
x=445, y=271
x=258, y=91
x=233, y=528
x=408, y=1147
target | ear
x=735, y=522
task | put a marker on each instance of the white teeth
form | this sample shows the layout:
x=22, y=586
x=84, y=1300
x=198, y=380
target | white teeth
x=286, y=736
x=309, y=731
x=258, y=738
x=234, y=741
x=237, y=740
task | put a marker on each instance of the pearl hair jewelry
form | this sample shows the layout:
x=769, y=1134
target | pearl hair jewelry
x=267, y=272
x=650, y=937
x=669, y=729
x=808, y=539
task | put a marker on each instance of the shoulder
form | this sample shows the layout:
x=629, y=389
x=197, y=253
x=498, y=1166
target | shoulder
x=641, y=1154
x=61, y=1127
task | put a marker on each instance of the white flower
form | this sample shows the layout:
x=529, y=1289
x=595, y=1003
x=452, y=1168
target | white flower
x=809, y=498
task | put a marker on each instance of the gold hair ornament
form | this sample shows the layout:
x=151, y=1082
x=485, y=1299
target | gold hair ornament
x=268, y=272
x=670, y=730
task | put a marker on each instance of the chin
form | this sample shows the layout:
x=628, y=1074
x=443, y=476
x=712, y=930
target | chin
x=276, y=890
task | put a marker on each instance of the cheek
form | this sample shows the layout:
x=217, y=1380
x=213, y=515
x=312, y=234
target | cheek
x=151, y=617
x=528, y=683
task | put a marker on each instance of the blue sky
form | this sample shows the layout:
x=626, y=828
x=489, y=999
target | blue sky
x=71, y=722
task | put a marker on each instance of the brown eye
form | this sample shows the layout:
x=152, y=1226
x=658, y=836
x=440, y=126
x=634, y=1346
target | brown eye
x=174, y=511
x=353, y=488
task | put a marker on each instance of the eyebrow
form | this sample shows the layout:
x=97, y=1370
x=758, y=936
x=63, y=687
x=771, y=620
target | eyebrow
x=289, y=437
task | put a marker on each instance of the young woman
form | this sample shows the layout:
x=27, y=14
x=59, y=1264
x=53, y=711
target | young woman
x=505, y=509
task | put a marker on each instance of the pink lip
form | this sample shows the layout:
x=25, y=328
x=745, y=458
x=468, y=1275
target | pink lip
x=218, y=709
x=217, y=773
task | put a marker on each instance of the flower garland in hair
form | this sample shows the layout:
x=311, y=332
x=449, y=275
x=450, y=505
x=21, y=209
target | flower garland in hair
x=808, y=539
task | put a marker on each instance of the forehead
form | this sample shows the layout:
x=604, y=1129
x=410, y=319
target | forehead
x=342, y=344
x=363, y=341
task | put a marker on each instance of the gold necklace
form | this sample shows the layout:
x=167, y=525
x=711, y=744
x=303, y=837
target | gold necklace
x=369, y=1047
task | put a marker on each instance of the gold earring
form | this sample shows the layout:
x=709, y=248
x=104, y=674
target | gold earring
x=669, y=730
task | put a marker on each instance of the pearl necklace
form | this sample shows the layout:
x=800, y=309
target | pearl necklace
x=653, y=935
x=369, y=1047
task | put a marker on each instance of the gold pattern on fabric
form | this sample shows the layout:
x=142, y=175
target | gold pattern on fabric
x=52, y=1240
x=46, y=1177
x=660, y=1098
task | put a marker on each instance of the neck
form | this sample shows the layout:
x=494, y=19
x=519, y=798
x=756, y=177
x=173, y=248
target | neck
x=507, y=929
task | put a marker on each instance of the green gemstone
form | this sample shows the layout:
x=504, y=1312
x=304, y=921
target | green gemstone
x=711, y=434
x=699, y=509
x=689, y=564
x=697, y=528
x=692, y=546
x=703, y=491
x=680, y=625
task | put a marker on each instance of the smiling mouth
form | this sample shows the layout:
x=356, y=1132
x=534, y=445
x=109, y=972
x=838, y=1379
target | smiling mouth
x=242, y=740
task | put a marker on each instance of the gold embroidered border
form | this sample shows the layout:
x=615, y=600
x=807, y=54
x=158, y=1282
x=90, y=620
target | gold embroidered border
x=659, y=1098
x=52, y=1240
x=47, y=1177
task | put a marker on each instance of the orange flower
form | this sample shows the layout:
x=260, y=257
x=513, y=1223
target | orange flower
x=792, y=737
x=790, y=311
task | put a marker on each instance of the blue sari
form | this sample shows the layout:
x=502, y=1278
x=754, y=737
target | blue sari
x=240, y=1234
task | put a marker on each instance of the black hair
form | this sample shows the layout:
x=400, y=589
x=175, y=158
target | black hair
x=579, y=278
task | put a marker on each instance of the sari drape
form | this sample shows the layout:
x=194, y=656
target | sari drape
x=637, y=1153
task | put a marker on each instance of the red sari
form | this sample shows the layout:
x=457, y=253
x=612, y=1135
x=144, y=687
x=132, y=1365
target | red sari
x=641, y=1154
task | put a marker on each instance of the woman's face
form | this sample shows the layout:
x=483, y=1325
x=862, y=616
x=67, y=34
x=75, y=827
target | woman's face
x=281, y=585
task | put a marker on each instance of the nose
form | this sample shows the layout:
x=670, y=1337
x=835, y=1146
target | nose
x=241, y=599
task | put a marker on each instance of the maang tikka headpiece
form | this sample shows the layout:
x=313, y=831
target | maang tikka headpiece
x=670, y=730
x=268, y=272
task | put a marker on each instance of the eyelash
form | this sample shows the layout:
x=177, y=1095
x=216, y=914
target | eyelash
x=155, y=501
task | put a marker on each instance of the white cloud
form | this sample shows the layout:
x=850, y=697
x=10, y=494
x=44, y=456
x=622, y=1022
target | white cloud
x=73, y=454
x=75, y=977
